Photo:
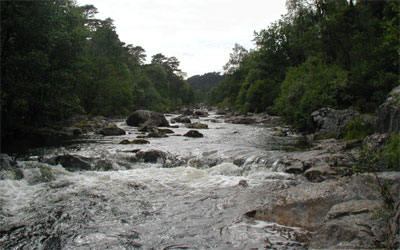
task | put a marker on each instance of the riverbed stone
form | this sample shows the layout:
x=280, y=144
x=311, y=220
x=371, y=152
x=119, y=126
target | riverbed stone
x=193, y=133
x=141, y=116
x=74, y=162
x=200, y=113
x=112, y=131
x=181, y=119
x=197, y=125
x=151, y=156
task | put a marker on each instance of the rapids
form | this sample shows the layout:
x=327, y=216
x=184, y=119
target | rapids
x=192, y=199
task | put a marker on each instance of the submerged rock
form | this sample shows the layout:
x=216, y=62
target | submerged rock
x=193, y=133
x=142, y=116
x=152, y=156
x=74, y=162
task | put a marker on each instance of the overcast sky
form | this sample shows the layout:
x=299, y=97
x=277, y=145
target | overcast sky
x=200, y=33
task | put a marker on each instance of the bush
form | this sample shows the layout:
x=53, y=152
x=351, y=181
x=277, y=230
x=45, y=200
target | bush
x=309, y=87
x=391, y=153
x=357, y=129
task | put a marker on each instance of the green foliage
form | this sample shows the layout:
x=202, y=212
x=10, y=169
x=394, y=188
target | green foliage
x=391, y=153
x=307, y=88
x=358, y=42
x=357, y=129
x=57, y=59
x=371, y=160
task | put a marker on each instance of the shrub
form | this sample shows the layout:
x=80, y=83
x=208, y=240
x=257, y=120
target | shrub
x=357, y=129
x=391, y=153
x=309, y=87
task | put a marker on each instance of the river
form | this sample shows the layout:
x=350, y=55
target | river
x=195, y=197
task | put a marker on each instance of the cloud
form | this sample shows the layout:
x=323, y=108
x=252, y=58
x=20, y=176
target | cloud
x=200, y=33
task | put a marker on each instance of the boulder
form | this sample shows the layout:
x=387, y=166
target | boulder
x=351, y=225
x=181, y=119
x=112, y=130
x=193, y=133
x=197, y=125
x=200, y=113
x=389, y=113
x=157, y=134
x=151, y=156
x=142, y=116
x=74, y=162
x=331, y=122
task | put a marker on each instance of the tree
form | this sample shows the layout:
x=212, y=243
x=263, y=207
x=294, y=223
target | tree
x=309, y=87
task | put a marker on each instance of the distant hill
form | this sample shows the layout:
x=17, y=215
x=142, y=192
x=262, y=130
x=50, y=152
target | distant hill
x=205, y=82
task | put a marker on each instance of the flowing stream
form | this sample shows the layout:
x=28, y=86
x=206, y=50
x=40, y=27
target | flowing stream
x=196, y=197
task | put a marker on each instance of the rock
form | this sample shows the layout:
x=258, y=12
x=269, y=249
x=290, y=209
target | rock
x=181, y=119
x=77, y=131
x=136, y=141
x=352, y=225
x=6, y=162
x=157, y=134
x=151, y=156
x=125, y=142
x=74, y=162
x=242, y=120
x=141, y=116
x=295, y=167
x=353, y=207
x=166, y=131
x=331, y=122
x=243, y=183
x=187, y=112
x=148, y=126
x=104, y=165
x=140, y=141
x=112, y=130
x=319, y=173
x=389, y=113
x=197, y=125
x=193, y=133
x=200, y=113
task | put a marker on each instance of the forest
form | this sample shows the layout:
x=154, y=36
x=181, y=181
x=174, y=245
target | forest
x=58, y=59
x=338, y=54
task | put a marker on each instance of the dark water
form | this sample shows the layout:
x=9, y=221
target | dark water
x=189, y=200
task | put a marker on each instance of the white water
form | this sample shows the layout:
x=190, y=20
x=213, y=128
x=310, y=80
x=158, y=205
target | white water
x=196, y=203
